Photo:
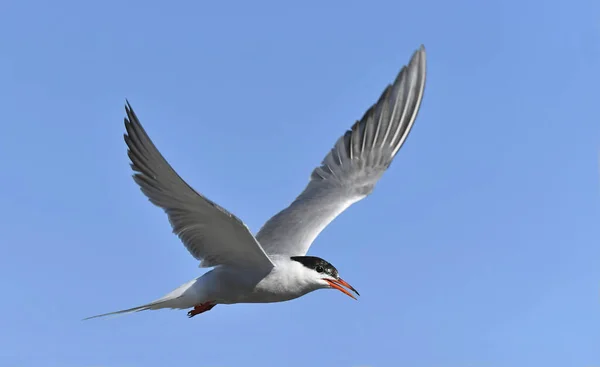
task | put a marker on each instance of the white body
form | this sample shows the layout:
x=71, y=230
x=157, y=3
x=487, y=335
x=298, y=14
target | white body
x=228, y=285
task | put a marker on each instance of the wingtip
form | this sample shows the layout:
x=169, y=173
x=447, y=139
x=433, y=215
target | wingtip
x=128, y=108
x=421, y=52
x=419, y=58
x=130, y=114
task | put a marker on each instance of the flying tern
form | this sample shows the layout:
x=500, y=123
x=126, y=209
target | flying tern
x=273, y=266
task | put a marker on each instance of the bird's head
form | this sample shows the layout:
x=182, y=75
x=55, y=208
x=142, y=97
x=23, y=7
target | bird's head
x=324, y=274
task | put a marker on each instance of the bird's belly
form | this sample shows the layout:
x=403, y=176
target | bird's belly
x=273, y=287
x=229, y=285
x=268, y=296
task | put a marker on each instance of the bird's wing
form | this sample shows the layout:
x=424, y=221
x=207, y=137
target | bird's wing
x=209, y=232
x=352, y=168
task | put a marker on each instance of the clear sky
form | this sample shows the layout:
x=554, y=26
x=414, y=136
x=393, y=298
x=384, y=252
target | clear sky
x=479, y=247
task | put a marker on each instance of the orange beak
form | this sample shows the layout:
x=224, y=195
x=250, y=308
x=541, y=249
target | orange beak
x=339, y=284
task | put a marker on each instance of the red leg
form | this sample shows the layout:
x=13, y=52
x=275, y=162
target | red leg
x=203, y=307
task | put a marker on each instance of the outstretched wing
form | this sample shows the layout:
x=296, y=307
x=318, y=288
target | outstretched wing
x=209, y=232
x=352, y=168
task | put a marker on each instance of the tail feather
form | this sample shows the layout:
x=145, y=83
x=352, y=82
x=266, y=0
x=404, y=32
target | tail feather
x=161, y=303
x=177, y=299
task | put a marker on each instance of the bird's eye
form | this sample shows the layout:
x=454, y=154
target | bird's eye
x=319, y=269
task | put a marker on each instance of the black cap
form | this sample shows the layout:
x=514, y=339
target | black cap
x=317, y=264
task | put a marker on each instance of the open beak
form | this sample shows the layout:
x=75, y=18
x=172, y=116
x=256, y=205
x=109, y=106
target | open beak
x=339, y=284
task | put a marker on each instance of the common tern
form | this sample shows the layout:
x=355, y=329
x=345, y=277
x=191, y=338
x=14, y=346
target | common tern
x=272, y=266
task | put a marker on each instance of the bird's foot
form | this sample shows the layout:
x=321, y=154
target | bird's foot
x=203, y=307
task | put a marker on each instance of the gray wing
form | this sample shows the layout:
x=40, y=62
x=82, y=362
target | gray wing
x=210, y=233
x=352, y=168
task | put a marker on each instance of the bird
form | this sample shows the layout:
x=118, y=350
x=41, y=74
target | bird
x=273, y=265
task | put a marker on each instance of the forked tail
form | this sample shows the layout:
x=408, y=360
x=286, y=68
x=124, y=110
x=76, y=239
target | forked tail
x=158, y=304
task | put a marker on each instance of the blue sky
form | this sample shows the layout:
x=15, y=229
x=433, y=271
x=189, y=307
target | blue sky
x=480, y=246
